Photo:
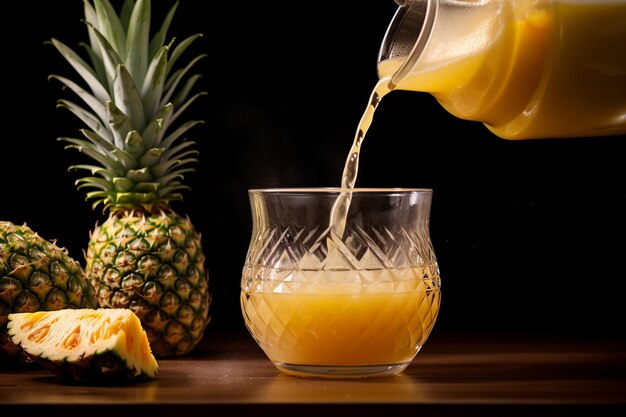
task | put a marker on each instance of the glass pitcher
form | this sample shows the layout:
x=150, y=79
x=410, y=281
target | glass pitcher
x=525, y=68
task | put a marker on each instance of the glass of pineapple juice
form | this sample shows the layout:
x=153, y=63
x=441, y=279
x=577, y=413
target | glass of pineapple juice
x=351, y=301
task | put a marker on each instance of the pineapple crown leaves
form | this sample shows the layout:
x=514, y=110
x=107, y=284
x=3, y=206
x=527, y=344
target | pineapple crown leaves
x=132, y=98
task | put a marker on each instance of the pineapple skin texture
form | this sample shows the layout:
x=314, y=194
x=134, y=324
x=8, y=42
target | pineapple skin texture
x=154, y=265
x=35, y=275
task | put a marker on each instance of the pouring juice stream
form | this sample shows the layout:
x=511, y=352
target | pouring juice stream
x=340, y=209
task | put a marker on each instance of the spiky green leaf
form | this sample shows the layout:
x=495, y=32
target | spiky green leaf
x=169, y=140
x=171, y=195
x=91, y=151
x=162, y=169
x=171, y=152
x=78, y=142
x=186, y=161
x=96, y=61
x=137, y=41
x=124, y=158
x=110, y=58
x=93, y=103
x=100, y=197
x=98, y=140
x=91, y=120
x=90, y=17
x=127, y=98
x=177, y=151
x=147, y=187
x=178, y=174
x=120, y=125
x=107, y=174
x=183, y=93
x=134, y=144
x=159, y=38
x=173, y=83
x=93, y=50
x=153, y=134
x=185, y=106
x=94, y=182
x=151, y=157
x=167, y=164
x=127, y=10
x=170, y=191
x=132, y=147
x=140, y=175
x=166, y=167
x=83, y=69
x=132, y=200
x=110, y=26
x=180, y=49
x=122, y=184
x=152, y=89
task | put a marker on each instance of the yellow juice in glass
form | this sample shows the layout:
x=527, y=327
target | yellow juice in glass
x=558, y=71
x=332, y=320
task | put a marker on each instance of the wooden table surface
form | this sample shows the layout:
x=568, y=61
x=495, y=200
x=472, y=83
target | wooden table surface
x=453, y=375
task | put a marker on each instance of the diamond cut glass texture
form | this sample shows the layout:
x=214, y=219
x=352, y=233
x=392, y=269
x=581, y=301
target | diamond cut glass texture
x=355, y=300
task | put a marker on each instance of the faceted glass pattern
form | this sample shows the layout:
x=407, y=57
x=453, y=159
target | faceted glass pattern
x=359, y=304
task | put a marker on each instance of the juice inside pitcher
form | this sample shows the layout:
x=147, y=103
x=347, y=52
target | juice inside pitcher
x=533, y=69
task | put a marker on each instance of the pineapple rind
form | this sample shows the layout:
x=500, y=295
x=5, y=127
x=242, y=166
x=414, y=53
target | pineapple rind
x=153, y=265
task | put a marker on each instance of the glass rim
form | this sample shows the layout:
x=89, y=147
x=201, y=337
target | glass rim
x=339, y=190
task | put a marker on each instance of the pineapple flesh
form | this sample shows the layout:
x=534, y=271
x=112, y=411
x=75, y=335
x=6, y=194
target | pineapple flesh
x=86, y=344
x=133, y=96
x=35, y=275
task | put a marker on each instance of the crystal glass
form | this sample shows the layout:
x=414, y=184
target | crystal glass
x=340, y=293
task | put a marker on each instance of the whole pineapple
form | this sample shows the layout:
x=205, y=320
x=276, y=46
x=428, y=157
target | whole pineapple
x=35, y=275
x=144, y=256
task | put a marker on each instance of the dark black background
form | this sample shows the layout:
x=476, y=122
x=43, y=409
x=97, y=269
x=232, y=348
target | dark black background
x=529, y=234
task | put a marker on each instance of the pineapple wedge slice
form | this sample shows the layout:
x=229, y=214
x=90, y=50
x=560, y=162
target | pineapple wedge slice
x=85, y=344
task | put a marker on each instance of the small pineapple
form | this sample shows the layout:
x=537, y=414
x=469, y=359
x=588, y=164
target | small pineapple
x=35, y=275
x=144, y=256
